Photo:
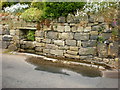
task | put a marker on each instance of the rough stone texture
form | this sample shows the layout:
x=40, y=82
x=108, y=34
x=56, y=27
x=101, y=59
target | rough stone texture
x=7, y=38
x=113, y=49
x=72, y=52
x=60, y=28
x=87, y=51
x=51, y=46
x=40, y=49
x=81, y=36
x=70, y=18
x=91, y=43
x=12, y=32
x=95, y=28
x=94, y=33
x=16, y=38
x=64, y=47
x=74, y=48
x=59, y=42
x=46, y=40
x=47, y=51
x=38, y=39
x=86, y=57
x=102, y=50
x=18, y=32
x=87, y=29
x=71, y=42
x=5, y=44
x=39, y=34
x=106, y=35
x=12, y=47
x=72, y=56
x=79, y=43
x=66, y=35
x=57, y=52
x=61, y=19
x=80, y=29
x=74, y=29
x=94, y=37
x=29, y=44
x=39, y=44
x=52, y=35
x=67, y=28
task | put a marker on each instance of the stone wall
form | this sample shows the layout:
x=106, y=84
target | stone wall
x=90, y=42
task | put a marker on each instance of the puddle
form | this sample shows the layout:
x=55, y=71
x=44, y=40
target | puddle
x=61, y=68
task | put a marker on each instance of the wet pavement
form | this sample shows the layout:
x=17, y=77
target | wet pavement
x=17, y=73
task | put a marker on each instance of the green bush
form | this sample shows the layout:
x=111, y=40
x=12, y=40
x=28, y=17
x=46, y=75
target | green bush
x=31, y=35
x=32, y=15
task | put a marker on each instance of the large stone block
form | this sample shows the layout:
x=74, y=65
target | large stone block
x=95, y=28
x=39, y=34
x=80, y=29
x=72, y=52
x=39, y=44
x=60, y=28
x=12, y=32
x=81, y=36
x=87, y=51
x=52, y=35
x=106, y=35
x=29, y=44
x=67, y=29
x=12, y=47
x=46, y=51
x=74, y=29
x=46, y=40
x=57, y=52
x=59, y=42
x=87, y=29
x=91, y=43
x=38, y=39
x=7, y=38
x=66, y=35
x=40, y=49
x=73, y=48
x=94, y=33
x=64, y=47
x=102, y=50
x=72, y=56
x=51, y=46
x=71, y=42
x=93, y=37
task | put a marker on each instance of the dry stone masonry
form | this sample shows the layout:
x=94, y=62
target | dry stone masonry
x=91, y=42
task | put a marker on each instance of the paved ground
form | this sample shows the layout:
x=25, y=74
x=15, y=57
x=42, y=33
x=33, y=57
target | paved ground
x=19, y=74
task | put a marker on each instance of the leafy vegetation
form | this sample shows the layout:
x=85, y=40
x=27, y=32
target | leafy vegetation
x=101, y=39
x=32, y=15
x=31, y=35
x=57, y=9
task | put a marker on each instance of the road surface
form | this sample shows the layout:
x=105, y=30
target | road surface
x=16, y=73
